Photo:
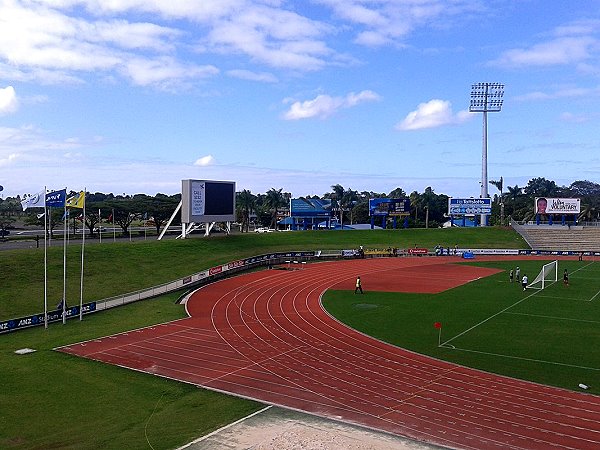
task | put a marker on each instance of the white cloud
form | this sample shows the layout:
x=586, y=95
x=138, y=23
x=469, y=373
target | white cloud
x=379, y=23
x=8, y=159
x=564, y=92
x=207, y=160
x=574, y=118
x=252, y=76
x=435, y=113
x=561, y=51
x=324, y=106
x=8, y=100
x=165, y=72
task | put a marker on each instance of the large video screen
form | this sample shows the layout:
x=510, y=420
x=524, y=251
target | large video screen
x=207, y=201
x=389, y=206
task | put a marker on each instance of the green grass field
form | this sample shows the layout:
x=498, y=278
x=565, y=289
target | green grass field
x=549, y=336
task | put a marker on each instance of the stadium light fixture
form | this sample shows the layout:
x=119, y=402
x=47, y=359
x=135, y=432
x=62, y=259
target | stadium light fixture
x=485, y=97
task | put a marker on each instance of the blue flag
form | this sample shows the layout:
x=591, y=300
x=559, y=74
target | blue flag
x=56, y=199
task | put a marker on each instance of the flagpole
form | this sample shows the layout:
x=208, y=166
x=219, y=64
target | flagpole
x=114, y=231
x=64, y=302
x=82, y=257
x=100, y=225
x=45, y=262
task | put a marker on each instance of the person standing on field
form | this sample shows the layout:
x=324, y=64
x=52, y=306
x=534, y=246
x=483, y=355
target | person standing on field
x=358, y=287
x=518, y=273
x=566, y=278
x=524, y=282
x=511, y=275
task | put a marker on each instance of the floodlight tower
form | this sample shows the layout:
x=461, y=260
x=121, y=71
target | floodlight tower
x=485, y=97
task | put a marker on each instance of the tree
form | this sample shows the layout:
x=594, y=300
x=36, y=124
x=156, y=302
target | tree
x=274, y=200
x=585, y=189
x=337, y=196
x=514, y=192
x=499, y=184
x=10, y=209
x=397, y=193
x=245, y=205
x=122, y=211
x=540, y=187
x=349, y=201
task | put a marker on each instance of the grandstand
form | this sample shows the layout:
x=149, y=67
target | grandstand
x=576, y=238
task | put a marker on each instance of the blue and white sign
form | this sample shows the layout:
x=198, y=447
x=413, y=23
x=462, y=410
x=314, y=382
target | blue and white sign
x=465, y=206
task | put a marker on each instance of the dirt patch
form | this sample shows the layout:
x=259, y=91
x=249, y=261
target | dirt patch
x=281, y=429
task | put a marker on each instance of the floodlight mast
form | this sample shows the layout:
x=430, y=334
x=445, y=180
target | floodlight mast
x=485, y=97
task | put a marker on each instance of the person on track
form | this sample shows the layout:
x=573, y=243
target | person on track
x=358, y=287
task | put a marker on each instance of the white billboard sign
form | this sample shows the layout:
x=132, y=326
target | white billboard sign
x=546, y=205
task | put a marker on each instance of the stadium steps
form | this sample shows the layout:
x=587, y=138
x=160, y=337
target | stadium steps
x=560, y=237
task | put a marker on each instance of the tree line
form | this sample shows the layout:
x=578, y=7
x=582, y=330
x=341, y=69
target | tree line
x=349, y=206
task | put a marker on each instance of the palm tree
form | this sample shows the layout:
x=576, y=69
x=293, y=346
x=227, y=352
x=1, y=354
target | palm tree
x=245, y=204
x=349, y=201
x=416, y=202
x=589, y=213
x=514, y=192
x=274, y=200
x=337, y=197
x=499, y=185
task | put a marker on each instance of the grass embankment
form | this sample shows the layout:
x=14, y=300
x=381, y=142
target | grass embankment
x=118, y=268
x=545, y=336
x=54, y=400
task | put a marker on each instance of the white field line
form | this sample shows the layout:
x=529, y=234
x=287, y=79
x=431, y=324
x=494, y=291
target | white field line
x=489, y=318
x=541, y=361
x=563, y=298
x=553, y=317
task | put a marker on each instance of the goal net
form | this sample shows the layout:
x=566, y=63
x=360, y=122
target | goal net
x=548, y=274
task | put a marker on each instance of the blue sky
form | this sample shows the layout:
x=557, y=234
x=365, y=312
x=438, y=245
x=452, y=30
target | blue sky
x=132, y=96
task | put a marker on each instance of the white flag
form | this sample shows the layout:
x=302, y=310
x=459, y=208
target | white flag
x=34, y=201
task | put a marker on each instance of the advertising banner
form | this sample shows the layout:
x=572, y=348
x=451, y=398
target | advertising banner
x=38, y=319
x=466, y=206
x=545, y=205
x=310, y=207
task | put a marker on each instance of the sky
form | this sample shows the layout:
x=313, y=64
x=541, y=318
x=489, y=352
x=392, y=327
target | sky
x=133, y=96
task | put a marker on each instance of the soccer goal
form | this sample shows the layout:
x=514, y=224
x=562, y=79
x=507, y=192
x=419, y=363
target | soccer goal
x=548, y=274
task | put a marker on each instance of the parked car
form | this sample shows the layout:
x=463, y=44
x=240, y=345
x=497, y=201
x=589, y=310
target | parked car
x=264, y=230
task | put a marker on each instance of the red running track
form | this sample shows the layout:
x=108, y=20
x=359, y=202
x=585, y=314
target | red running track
x=265, y=336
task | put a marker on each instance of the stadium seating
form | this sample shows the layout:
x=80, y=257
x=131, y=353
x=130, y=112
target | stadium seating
x=560, y=237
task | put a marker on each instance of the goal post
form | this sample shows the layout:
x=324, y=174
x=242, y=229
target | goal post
x=548, y=274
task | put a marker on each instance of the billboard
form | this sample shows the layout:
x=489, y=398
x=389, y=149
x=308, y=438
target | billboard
x=389, y=207
x=310, y=207
x=466, y=206
x=207, y=201
x=545, y=205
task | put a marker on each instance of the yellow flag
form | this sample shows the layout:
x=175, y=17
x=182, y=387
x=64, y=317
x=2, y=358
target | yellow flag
x=77, y=201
